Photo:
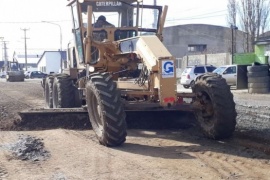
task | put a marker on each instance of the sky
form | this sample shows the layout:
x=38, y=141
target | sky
x=16, y=15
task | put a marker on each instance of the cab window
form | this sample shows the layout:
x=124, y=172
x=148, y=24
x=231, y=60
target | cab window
x=231, y=70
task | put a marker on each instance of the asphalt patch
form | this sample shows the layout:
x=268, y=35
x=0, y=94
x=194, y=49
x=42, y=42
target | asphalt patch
x=29, y=148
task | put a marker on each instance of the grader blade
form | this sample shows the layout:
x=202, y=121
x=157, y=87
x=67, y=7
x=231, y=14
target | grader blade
x=77, y=118
x=54, y=118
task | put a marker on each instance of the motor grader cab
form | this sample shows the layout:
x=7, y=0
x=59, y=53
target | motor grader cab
x=126, y=22
x=123, y=65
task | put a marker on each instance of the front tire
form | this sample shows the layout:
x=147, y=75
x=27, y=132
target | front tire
x=63, y=92
x=105, y=109
x=216, y=114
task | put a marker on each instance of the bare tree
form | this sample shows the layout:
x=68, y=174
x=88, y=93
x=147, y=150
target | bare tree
x=231, y=19
x=265, y=17
x=232, y=8
x=253, y=17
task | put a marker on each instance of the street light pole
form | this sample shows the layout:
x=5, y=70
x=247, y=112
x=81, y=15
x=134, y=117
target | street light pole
x=25, y=47
x=59, y=29
x=61, y=60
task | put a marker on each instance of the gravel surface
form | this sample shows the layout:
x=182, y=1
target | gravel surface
x=152, y=152
x=253, y=111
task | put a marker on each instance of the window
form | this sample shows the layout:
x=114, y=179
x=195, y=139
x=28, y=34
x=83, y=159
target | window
x=210, y=69
x=199, y=70
x=197, y=47
x=231, y=70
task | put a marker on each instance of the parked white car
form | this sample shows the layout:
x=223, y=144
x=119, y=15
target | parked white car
x=191, y=72
x=3, y=74
x=228, y=72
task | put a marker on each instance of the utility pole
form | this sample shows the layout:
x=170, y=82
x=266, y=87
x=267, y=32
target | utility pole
x=247, y=40
x=4, y=53
x=25, y=47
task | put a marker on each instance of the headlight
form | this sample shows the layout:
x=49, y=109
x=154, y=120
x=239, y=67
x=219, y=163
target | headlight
x=91, y=69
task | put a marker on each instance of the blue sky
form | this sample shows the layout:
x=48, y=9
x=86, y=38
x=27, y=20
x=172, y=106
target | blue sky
x=18, y=14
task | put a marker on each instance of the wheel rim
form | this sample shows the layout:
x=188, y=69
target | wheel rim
x=207, y=110
x=96, y=111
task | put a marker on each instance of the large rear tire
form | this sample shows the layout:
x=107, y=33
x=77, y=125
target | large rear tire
x=265, y=79
x=216, y=114
x=105, y=109
x=257, y=68
x=63, y=92
x=257, y=74
x=259, y=85
x=254, y=90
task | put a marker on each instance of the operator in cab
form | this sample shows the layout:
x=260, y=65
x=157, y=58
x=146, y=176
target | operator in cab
x=101, y=22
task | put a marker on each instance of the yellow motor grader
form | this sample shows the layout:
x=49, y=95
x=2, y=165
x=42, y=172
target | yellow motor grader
x=14, y=74
x=117, y=62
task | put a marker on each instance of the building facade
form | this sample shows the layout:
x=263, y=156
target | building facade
x=50, y=61
x=194, y=39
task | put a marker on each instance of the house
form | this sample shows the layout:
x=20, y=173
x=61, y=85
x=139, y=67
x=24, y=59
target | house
x=50, y=61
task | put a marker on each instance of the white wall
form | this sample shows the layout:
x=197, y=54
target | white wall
x=210, y=59
x=53, y=60
x=50, y=62
x=42, y=63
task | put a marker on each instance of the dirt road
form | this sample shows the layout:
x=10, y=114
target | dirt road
x=178, y=153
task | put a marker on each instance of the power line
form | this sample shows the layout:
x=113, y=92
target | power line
x=29, y=22
x=196, y=18
x=214, y=12
x=201, y=16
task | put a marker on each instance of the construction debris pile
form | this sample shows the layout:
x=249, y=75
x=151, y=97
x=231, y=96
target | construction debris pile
x=29, y=148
